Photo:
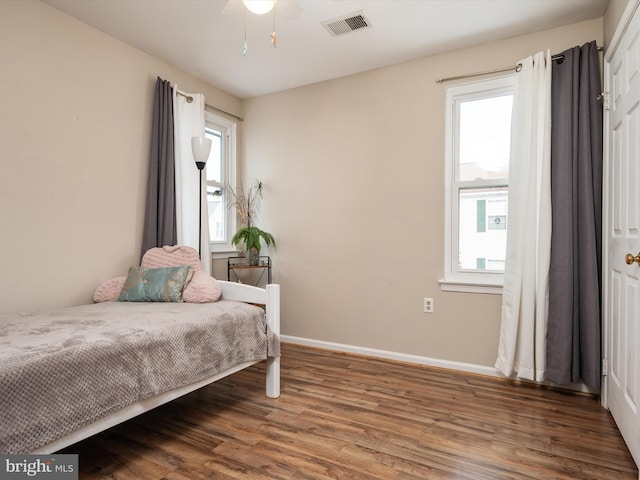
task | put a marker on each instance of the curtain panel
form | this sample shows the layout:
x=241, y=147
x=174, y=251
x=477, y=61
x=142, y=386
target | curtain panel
x=575, y=278
x=160, y=211
x=188, y=123
x=525, y=293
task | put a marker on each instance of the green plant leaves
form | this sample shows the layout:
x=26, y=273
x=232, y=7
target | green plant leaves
x=251, y=237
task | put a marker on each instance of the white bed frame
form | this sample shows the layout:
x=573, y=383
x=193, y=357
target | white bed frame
x=269, y=296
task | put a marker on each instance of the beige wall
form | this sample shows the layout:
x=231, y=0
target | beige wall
x=75, y=122
x=353, y=170
x=612, y=17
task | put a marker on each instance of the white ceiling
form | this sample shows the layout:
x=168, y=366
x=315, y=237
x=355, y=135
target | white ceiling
x=197, y=37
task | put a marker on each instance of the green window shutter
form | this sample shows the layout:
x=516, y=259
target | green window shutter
x=480, y=264
x=481, y=212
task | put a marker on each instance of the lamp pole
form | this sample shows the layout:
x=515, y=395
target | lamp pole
x=200, y=146
x=200, y=166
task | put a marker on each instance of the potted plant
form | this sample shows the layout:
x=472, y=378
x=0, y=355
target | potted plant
x=248, y=235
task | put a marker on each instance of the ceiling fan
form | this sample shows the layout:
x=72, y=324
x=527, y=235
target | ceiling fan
x=288, y=9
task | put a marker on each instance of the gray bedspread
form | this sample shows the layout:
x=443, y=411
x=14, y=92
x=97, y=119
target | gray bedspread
x=63, y=369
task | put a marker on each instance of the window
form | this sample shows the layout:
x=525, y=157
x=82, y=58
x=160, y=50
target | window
x=220, y=171
x=478, y=131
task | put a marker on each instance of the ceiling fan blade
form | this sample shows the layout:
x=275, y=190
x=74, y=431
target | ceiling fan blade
x=233, y=7
x=290, y=9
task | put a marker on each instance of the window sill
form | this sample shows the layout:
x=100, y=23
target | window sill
x=224, y=253
x=470, y=287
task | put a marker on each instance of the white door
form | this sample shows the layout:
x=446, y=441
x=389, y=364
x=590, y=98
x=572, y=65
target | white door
x=622, y=229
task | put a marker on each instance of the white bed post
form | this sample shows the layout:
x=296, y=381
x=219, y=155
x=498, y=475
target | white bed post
x=273, y=319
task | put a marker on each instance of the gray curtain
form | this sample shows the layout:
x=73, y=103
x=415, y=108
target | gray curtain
x=160, y=213
x=574, y=329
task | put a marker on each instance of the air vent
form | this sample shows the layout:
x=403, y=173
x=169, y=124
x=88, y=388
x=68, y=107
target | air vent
x=347, y=23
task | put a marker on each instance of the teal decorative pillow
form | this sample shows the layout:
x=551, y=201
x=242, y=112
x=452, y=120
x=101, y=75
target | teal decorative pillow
x=155, y=284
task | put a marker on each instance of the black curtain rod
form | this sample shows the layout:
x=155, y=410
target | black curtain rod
x=560, y=56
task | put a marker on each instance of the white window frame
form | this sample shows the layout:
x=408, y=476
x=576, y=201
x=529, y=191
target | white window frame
x=455, y=280
x=228, y=128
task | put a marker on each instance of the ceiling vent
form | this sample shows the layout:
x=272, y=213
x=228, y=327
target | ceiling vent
x=347, y=23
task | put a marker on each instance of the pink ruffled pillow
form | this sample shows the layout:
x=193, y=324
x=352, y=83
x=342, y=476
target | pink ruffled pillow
x=201, y=289
x=109, y=290
x=171, y=256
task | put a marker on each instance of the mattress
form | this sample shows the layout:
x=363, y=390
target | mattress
x=64, y=369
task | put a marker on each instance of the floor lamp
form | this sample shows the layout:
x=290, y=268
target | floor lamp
x=200, y=146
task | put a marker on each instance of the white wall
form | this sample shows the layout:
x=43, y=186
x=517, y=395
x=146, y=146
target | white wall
x=354, y=178
x=75, y=123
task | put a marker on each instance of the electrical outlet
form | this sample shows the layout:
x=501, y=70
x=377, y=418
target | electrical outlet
x=428, y=305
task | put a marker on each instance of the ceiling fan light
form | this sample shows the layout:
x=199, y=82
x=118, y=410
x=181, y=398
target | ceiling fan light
x=259, y=7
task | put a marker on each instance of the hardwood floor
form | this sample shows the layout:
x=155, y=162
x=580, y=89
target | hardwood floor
x=349, y=417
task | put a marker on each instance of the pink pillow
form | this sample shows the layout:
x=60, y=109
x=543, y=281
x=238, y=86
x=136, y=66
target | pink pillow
x=171, y=256
x=109, y=290
x=202, y=289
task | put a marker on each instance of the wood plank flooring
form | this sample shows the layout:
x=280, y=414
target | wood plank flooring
x=344, y=416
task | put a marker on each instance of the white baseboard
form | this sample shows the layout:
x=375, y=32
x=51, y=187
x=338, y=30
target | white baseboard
x=419, y=360
x=401, y=357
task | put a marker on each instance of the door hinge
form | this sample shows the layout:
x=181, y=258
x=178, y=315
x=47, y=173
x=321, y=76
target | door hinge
x=605, y=367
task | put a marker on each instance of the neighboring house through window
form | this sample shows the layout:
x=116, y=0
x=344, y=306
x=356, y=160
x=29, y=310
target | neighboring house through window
x=478, y=130
x=221, y=172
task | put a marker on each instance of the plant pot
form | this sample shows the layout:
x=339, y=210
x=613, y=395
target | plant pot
x=252, y=256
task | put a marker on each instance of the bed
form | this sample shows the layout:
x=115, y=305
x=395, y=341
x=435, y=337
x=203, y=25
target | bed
x=70, y=373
